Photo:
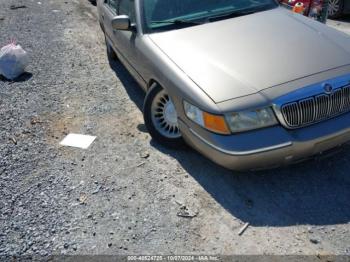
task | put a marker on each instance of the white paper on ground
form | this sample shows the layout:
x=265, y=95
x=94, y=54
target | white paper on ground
x=78, y=140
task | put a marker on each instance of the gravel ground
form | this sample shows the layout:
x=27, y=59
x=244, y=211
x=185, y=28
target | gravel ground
x=126, y=194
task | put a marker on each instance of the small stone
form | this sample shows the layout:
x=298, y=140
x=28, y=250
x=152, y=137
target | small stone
x=314, y=241
x=66, y=245
x=109, y=244
x=187, y=213
x=82, y=198
x=145, y=154
x=96, y=190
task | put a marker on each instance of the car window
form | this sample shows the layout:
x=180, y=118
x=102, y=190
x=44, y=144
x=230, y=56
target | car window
x=127, y=7
x=112, y=4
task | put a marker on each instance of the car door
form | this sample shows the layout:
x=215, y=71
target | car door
x=109, y=9
x=126, y=41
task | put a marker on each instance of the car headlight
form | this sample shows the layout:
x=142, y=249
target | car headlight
x=249, y=120
x=214, y=123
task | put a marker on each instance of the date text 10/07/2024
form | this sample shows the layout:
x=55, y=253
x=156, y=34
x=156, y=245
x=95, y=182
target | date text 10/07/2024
x=173, y=258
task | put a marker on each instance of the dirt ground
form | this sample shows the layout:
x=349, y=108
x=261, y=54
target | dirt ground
x=124, y=194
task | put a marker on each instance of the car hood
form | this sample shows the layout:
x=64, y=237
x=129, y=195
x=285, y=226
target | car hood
x=244, y=55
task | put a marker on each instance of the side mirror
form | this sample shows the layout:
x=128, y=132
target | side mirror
x=122, y=22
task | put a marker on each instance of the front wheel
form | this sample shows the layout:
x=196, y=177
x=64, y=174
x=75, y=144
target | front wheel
x=161, y=117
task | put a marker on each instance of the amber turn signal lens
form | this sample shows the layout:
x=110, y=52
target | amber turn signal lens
x=215, y=123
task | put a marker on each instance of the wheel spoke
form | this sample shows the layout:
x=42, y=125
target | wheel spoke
x=333, y=7
x=164, y=116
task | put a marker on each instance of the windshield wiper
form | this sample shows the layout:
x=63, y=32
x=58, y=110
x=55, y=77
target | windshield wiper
x=177, y=22
x=231, y=15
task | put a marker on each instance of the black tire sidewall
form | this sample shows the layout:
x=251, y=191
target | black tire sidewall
x=110, y=52
x=147, y=115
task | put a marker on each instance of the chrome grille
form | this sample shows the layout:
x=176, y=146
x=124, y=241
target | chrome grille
x=317, y=108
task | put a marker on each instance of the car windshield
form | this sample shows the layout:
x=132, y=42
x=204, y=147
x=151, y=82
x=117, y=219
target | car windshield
x=168, y=14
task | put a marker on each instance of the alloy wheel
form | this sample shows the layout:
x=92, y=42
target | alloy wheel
x=333, y=7
x=164, y=116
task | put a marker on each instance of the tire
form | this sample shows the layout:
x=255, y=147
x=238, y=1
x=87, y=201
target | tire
x=103, y=29
x=110, y=52
x=335, y=8
x=161, y=118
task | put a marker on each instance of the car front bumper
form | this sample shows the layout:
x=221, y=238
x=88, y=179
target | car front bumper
x=269, y=147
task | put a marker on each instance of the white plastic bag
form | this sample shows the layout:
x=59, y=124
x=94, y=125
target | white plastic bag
x=13, y=61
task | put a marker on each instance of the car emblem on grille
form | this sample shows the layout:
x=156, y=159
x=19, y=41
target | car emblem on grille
x=328, y=88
